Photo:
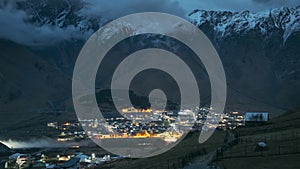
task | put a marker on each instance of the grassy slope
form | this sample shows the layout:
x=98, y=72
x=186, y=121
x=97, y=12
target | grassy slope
x=282, y=136
x=184, y=152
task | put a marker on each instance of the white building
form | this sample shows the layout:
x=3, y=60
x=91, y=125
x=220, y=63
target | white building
x=256, y=117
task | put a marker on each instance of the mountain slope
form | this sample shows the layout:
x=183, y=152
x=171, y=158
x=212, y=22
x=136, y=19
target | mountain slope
x=28, y=85
x=260, y=55
x=259, y=52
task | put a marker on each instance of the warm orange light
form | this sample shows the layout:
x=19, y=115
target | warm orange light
x=134, y=110
x=67, y=124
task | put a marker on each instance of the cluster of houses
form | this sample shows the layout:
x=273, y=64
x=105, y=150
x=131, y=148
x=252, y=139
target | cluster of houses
x=233, y=120
x=229, y=121
x=75, y=161
x=70, y=131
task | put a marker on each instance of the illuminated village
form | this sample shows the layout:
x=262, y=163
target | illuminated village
x=141, y=123
x=168, y=126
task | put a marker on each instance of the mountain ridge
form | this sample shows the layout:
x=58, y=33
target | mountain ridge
x=69, y=15
x=226, y=22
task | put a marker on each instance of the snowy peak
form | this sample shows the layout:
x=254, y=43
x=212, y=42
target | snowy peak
x=58, y=13
x=224, y=23
x=58, y=20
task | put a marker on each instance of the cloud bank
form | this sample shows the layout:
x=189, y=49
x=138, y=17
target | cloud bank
x=15, y=28
x=117, y=8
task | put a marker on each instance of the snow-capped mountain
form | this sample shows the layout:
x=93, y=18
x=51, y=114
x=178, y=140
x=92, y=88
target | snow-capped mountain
x=58, y=13
x=225, y=23
x=70, y=17
x=259, y=51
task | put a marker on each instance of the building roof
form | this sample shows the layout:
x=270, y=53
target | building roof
x=257, y=117
x=72, y=162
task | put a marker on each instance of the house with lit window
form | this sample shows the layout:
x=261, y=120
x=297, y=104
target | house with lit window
x=73, y=163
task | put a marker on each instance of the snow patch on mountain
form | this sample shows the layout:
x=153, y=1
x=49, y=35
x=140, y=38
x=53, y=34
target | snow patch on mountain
x=224, y=23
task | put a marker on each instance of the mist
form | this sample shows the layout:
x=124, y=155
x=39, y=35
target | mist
x=14, y=28
x=34, y=143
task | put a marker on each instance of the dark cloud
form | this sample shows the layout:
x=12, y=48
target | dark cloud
x=14, y=26
x=262, y=1
x=277, y=3
x=117, y=8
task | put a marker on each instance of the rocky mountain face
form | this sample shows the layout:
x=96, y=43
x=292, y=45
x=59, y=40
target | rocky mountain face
x=58, y=13
x=283, y=21
x=260, y=53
